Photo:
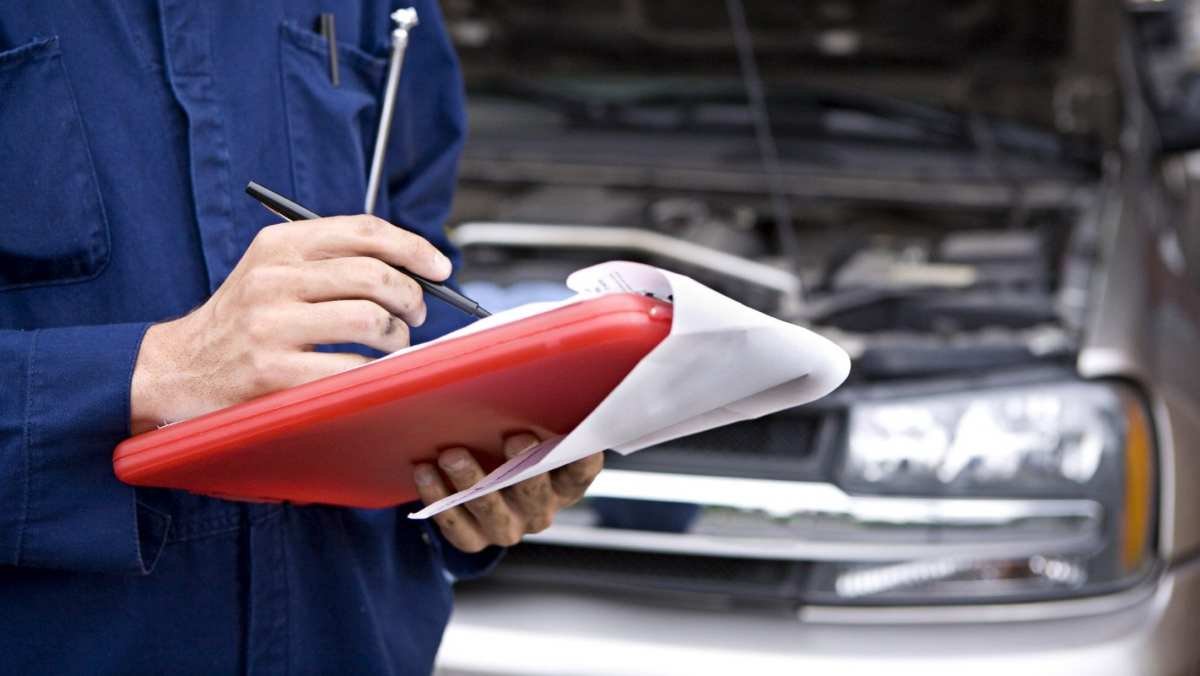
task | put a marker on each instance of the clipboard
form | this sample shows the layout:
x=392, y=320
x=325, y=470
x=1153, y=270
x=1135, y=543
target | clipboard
x=352, y=439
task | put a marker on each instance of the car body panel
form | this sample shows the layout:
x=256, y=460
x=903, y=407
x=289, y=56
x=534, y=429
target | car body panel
x=506, y=631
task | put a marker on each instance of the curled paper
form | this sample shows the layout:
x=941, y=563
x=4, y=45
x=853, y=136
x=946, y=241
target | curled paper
x=722, y=362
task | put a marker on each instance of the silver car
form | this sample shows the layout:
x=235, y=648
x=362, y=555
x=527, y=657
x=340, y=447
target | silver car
x=991, y=204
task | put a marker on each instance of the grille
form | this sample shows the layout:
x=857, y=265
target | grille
x=798, y=444
x=647, y=572
x=786, y=445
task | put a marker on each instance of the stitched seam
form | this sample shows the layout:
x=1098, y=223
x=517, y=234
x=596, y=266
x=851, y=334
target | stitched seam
x=148, y=566
x=127, y=405
x=287, y=596
x=143, y=48
x=205, y=535
x=287, y=116
x=190, y=529
x=199, y=528
x=319, y=46
x=273, y=514
x=192, y=537
x=25, y=450
x=38, y=49
x=221, y=149
x=137, y=533
x=157, y=512
x=126, y=413
x=106, y=235
x=101, y=236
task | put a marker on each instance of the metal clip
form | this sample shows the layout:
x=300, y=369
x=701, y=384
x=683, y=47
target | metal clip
x=405, y=19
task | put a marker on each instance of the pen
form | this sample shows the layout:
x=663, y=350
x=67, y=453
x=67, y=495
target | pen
x=288, y=209
x=329, y=32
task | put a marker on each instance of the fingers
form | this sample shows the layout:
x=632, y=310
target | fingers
x=308, y=366
x=362, y=278
x=281, y=370
x=338, y=321
x=298, y=285
x=501, y=518
x=518, y=444
x=571, y=481
x=534, y=499
x=366, y=235
x=456, y=523
x=500, y=525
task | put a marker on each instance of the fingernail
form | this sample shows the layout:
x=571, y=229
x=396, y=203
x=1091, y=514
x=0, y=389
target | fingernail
x=453, y=461
x=423, y=475
x=441, y=263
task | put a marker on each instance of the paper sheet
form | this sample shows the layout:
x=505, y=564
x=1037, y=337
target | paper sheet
x=721, y=362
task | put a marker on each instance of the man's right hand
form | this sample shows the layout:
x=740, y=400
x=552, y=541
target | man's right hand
x=298, y=285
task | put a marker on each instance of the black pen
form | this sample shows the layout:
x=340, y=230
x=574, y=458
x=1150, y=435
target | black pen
x=288, y=209
x=327, y=28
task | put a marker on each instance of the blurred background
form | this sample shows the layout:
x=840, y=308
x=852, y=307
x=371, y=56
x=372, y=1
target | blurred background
x=990, y=204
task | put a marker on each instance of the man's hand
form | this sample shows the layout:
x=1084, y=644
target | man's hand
x=298, y=285
x=504, y=517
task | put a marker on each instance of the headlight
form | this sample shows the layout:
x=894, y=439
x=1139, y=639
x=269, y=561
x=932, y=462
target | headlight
x=1075, y=459
x=1050, y=440
x=999, y=494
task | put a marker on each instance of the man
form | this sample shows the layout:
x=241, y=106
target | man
x=137, y=286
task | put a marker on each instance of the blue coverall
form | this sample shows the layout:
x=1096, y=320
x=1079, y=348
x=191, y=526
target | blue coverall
x=128, y=130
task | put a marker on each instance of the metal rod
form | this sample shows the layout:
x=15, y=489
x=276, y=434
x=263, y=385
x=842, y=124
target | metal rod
x=756, y=96
x=405, y=20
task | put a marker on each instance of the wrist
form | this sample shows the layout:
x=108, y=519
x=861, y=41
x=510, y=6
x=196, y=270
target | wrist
x=155, y=395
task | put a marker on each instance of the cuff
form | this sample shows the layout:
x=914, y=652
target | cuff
x=71, y=512
x=458, y=564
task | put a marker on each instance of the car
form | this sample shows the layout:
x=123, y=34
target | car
x=992, y=205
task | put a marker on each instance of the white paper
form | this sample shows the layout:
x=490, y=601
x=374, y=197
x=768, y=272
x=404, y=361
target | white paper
x=721, y=362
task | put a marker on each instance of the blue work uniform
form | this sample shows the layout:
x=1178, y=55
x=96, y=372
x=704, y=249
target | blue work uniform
x=128, y=131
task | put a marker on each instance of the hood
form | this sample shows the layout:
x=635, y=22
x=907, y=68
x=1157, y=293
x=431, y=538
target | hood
x=1047, y=63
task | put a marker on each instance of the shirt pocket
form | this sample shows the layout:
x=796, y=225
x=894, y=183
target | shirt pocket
x=53, y=228
x=331, y=129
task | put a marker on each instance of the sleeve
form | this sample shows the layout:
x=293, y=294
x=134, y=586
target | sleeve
x=423, y=149
x=64, y=405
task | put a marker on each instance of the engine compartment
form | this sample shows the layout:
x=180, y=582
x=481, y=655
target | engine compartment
x=908, y=290
x=929, y=195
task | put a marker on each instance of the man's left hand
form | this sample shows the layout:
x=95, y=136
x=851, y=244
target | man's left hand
x=504, y=517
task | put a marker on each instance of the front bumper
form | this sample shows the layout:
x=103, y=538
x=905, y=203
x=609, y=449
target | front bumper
x=504, y=630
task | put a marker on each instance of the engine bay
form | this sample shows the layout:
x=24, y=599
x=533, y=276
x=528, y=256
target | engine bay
x=909, y=291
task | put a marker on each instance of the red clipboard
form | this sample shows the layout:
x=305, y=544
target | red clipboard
x=352, y=439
